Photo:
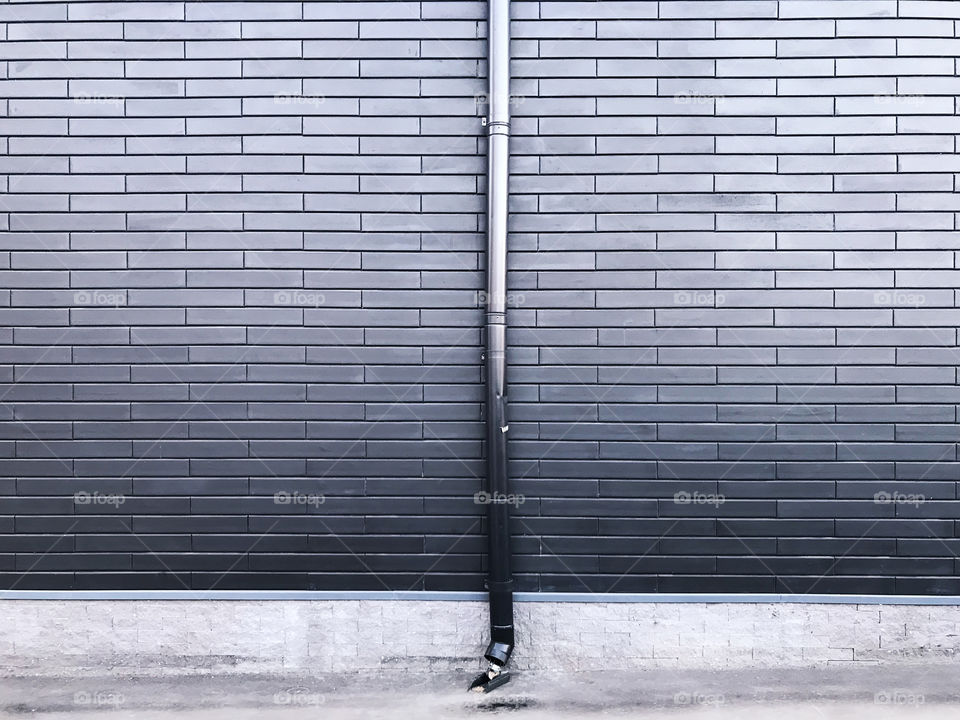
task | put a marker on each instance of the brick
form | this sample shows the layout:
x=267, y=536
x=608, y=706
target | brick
x=126, y=11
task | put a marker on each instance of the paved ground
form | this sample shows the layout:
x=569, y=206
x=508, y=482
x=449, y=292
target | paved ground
x=839, y=693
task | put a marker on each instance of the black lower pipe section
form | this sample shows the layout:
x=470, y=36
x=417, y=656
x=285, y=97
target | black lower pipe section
x=499, y=499
x=501, y=626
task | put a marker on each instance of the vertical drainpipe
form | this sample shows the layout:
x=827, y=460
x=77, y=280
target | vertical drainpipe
x=497, y=122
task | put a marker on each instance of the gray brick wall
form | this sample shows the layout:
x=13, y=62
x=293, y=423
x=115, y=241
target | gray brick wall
x=240, y=255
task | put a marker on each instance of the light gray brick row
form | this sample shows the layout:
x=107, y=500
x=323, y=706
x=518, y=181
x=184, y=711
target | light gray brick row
x=126, y=11
x=133, y=52
x=138, y=67
x=837, y=47
x=233, y=49
x=51, y=69
x=182, y=30
x=286, y=29
x=400, y=29
x=825, y=8
x=76, y=30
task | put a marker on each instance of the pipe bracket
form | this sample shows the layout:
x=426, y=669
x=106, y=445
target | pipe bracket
x=496, y=127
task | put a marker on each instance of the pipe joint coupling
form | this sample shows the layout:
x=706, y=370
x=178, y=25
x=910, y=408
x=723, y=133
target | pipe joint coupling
x=497, y=127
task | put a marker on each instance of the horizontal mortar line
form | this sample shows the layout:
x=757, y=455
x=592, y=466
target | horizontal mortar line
x=426, y=595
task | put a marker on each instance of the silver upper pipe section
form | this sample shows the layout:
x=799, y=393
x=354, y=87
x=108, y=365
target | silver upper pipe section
x=498, y=153
x=498, y=32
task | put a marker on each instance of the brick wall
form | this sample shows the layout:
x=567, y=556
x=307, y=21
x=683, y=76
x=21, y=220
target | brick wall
x=144, y=637
x=241, y=249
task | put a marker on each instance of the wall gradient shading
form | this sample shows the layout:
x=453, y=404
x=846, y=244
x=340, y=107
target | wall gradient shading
x=241, y=255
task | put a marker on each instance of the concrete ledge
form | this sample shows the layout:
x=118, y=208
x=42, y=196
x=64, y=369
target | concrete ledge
x=71, y=637
x=421, y=595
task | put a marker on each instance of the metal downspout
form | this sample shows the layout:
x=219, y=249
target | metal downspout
x=500, y=578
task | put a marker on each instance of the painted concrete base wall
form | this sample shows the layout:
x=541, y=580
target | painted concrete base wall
x=72, y=637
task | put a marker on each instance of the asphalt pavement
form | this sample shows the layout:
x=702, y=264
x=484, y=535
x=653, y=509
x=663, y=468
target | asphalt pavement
x=841, y=692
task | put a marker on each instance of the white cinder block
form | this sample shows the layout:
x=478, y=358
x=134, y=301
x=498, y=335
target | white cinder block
x=157, y=637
